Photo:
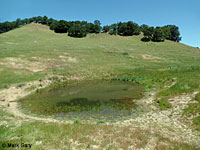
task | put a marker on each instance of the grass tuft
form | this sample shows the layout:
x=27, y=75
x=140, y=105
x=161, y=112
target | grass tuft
x=197, y=97
x=163, y=103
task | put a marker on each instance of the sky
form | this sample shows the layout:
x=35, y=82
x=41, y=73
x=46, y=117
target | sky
x=183, y=13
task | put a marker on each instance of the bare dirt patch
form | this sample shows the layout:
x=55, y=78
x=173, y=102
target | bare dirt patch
x=12, y=43
x=68, y=59
x=151, y=58
x=168, y=123
x=13, y=93
x=10, y=96
x=1, y=70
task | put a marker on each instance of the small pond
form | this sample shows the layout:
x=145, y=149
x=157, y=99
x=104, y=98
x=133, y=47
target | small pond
x=85, y=100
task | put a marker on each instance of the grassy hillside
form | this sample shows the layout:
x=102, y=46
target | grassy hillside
x=34, y=52
x=35, y=46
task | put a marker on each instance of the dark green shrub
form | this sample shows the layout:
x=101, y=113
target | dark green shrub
x=145, y=39
x=158, y=35
x=61, y=26
x=77, y=31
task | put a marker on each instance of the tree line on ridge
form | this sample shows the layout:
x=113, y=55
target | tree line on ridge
x=82, y=28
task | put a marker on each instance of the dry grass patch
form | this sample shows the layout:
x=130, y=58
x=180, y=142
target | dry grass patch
x=37, y=64
x=19, y=63
x=166, y=144
x=115, y=137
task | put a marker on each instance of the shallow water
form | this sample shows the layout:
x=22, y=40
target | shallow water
x=102, y=100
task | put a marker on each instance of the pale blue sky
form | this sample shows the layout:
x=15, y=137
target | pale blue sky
x=183, y=13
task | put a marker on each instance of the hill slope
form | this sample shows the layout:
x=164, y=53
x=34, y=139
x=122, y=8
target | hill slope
x=34, y=48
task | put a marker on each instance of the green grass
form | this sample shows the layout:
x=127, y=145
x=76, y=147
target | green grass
x=197, y=120
x=193, y=109
x=163, y=103
x=197, y=97
x=31, y=88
